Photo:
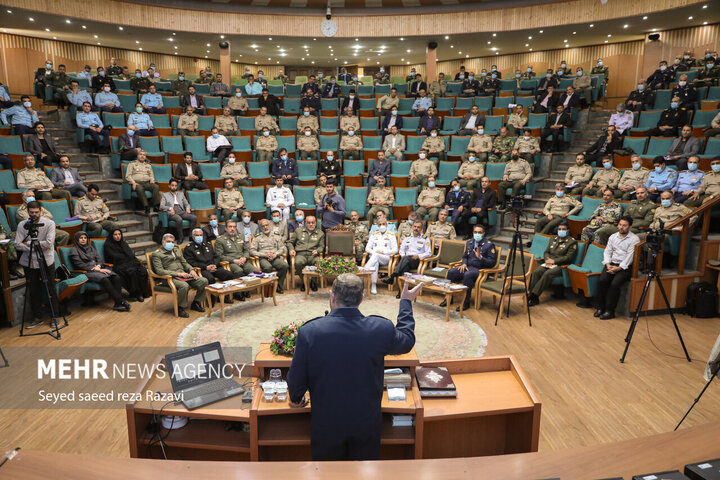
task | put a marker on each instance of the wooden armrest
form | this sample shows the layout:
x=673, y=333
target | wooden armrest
x=433, y=258
x=455, y=264
x=491, y=271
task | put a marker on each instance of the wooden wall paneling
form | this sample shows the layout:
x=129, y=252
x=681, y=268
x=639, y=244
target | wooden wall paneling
x=674, y=42
x=292, y=24
x=675, y=287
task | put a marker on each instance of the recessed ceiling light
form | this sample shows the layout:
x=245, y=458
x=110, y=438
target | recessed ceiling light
x=489, y=42
x=452, y=46
x=645, y=17
x=527, y=44
x=175, y=47
x=206, y=56
x=690, y=17
x=54, y=38
x=222, y=37
x=606, y=41
x=467, y=56
x=176, y=53
x=494, y=34
x=401, y=39
x=447, y=37
x=609, y=35
x=567, y=46
x=626, y=25
x=207, y=44
x=171, y=39
x=493, y=49
x=207, y=51
x=140, y=48
x=256, y=49
x=314, y=38
x=95, y=36
x=121, y=28
x=137, y=41
x=255, y=63
x=565, y=41
x=303, y=58
x=356, y=39
x=269, y=58
x=408, y=63
x=377, y=63
x=355, y=54
x=574, y=33
x=240, y=55
x=174, y=33
x=313, y=62
x=9, y=11
x=541, y=31
x=31, y=19
x=497, y=53
x=531, y=49
x=530, y=37
x=368, y=59
x=98, y=43
x=704, y=6
x=402, y=59
x=459, y=53
x=592, y=25
x=269, y=38
x=84, y=27
x=47, y=29
x=408, y=50
x=704, y=23
x=67, y=20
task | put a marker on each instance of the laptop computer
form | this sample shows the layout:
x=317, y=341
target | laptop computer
x=198, y=376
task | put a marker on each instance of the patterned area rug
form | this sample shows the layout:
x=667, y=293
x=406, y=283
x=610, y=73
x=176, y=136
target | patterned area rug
x=253, y=322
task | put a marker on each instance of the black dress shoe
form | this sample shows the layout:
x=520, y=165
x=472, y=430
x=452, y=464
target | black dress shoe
x=466, y=306
x=313, y=285
x=119, y=307
x=584, y=303
x=140, y=299
x=389, y=280
x=533, y=300
x=279, y=289
x=607, y=316
x=197, y=307
x=147, y=210
x=302, y=287
x=125, y=304
x=182, y=313
x=443, y=303
x=398, y=295
x=597, y=313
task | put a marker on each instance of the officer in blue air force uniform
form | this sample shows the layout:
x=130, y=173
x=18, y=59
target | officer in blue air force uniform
x=339, y=358
x=480, y=253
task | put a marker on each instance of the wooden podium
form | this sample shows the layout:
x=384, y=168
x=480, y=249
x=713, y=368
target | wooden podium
x=495, y=412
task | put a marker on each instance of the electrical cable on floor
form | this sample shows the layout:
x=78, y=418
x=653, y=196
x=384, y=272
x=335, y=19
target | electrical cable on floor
x=647, y=325
x=9, y=456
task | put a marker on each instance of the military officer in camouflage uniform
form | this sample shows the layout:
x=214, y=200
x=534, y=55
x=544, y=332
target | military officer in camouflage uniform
x=229, y=200
x=94, y=213
x=527, y=146
x=60, y=81
x=405, y=228
x=31, y=177
x=278, y=226
x=470, y=172
x=306, y=246
x=557, y=209
x=308, y=145
x=669, y=211
x=528, y=74
x=140, y=85
x=361, y=234
x=320, y=190
x=188, y=122
x=306, y=119
x=270, y=248
x=232, y=248
x=351, y=145
x=709, y=188
x=480, y=145
x=560, y=251
x=632, y=179
x=502, y=147
x=607, y=177
x=641, y=210
x=578, y=175
x=140, y=175
x=708, y=74
x=180, y=86
x=169, y=260
x=235, y=171
x=430, y=200
x=264, y=121
x=435, y=146
x=517, y=173
x=608, y=212
x=438, y=88
x=441, y=229
x=599, y=69
x=421, y=169
x=381, y=199
x=348, y=121
x=265, y=146
x=226, y=123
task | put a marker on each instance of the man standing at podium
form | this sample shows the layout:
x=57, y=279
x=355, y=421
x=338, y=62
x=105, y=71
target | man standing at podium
x=339, y=358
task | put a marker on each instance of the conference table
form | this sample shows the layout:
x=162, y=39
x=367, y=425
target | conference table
x=665, y=451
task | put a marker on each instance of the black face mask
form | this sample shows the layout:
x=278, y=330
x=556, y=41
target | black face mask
x=515, y=157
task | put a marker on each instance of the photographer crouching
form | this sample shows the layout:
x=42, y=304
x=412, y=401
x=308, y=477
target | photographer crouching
x=41, y=231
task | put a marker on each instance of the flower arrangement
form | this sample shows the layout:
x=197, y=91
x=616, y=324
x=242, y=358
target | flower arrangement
x=336, y=265
x=284, y=338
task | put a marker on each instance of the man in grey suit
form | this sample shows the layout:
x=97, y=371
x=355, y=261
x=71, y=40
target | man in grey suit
x=68, y=178
x=682, y=148
x=247, y=227
x=213, y=229
x=178, y=209
x=379, y=167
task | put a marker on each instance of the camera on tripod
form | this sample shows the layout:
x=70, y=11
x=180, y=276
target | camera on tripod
x=655, y=238
x=33, y=228
x=517, y=203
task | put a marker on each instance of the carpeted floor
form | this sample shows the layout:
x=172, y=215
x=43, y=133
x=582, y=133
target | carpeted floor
x=251, y=323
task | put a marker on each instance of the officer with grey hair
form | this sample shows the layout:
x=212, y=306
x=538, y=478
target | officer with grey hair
x=339, y=358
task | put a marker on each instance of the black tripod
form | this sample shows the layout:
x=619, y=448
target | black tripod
x=651, y=275
x=4, y=360
x=516, y=245
x=714, y=372
x=37, y=253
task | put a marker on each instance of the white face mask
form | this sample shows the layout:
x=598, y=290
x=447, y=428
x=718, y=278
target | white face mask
x=421, y=155
x=107, y=89
x=307, y=134
x=433, y=134
x=231, y=160
x=382, y=228
x=27, y=104
x=682, y=83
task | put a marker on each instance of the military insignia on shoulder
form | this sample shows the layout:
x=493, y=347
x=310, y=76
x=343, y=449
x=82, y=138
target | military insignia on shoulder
x=493, y=250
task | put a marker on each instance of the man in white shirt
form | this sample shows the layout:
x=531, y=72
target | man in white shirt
x=218, y=145
x=414, y=248
x=280, y=198
x=617, y=258
x=381, y=245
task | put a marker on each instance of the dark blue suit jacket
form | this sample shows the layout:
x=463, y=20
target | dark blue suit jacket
x=398, y=121
x=454, y=201
x=339, y=358
x=280, y=168
x=335, y=89
x=488, y=254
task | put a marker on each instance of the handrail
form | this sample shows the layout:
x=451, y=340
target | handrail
x=705, y=210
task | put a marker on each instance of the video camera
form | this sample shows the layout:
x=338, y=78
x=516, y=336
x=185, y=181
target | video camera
x=517, y=202
x=32, y=228
x=329, y=202
x=655, y=238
